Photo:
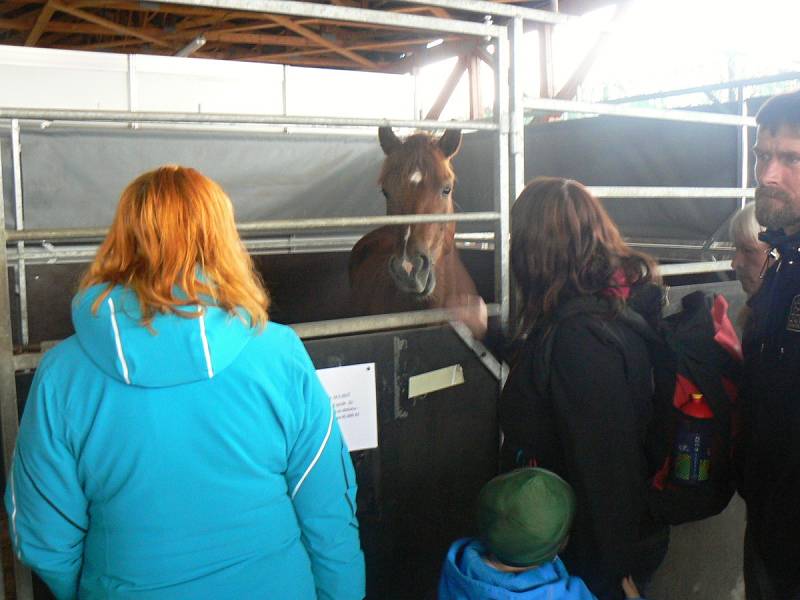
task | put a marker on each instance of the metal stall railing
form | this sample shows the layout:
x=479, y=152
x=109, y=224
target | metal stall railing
x=508, y=122
x=686, y=116
x=516, y=16
x=9, y=416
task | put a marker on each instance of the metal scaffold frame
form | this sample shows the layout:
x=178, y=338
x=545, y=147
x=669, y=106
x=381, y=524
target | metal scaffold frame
x=509, y=179
x=9, y=416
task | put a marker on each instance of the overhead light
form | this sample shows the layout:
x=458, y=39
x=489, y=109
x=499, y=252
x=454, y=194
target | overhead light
x=434, y=43
x=192, y=46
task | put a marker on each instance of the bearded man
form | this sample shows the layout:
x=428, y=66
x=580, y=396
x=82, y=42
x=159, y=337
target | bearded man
x=770, y=447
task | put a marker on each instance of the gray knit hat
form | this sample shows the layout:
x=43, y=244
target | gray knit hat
x=524, y=516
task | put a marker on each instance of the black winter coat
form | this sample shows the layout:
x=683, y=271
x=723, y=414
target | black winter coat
x=589, y=421
x=771, y=415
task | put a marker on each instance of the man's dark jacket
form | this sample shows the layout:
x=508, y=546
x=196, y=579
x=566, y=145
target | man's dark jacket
x=589, y=422
x=770, y=482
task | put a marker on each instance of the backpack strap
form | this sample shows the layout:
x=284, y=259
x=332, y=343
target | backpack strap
x=582, y=305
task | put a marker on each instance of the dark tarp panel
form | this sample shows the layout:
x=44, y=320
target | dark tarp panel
x=615, y=151
x=72, y=177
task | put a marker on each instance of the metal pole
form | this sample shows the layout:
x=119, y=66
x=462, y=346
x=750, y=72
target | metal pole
x=503, y=10
x=669, y=192
x=501, y=182
x=330, y=328
x=744, y=149
x=276, y=225
x=695, y=267
x=709, y=88
x=284, y=93
x=517, y=127
x=354, y=15
x=19, y=222
x=546, y=73
x=689, y=116
x=285, y=244
x=225, y=118
x=9, y=416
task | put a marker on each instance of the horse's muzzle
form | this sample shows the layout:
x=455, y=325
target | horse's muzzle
x=419, y=279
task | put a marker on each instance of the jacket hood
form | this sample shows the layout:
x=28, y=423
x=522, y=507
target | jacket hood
x=176, y=350
x=467, y=576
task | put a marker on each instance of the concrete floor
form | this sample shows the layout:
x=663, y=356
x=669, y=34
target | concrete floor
x=704, y=561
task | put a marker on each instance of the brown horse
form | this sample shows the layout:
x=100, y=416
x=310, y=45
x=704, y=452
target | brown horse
x=408, y=267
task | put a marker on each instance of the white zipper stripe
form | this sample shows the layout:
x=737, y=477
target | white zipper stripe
x=118, y=342
x=202, y=320
x=316, y=458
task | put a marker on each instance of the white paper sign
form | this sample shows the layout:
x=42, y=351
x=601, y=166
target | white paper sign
x=352, y=392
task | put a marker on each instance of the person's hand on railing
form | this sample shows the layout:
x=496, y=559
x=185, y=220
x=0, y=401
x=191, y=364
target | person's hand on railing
x=471, y=310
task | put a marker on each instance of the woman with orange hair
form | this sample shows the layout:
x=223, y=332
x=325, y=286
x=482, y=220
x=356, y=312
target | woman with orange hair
x=180, y=445
x=578, y=400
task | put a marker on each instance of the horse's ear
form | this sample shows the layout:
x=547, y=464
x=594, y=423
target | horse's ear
x=389, y=141
x=450, y=142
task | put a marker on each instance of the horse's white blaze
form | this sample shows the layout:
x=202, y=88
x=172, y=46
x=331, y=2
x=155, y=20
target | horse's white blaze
x=407, y=265
x=416, y=176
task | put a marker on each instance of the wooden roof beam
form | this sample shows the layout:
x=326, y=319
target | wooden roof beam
x=110, y=25
x=291, y=41
x=40, y=25
x=447, y=90
x=375, y=45
x=313, y=61
x=321, y=41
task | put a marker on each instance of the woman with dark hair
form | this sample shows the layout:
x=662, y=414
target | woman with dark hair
x=180, y=445
x=578, y=400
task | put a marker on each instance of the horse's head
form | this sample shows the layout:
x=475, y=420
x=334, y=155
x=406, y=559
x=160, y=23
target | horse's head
x=416, y=179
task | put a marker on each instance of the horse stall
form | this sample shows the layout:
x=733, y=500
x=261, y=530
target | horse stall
x=304, y=199
x=435, y=448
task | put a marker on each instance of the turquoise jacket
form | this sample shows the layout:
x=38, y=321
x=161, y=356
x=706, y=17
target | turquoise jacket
x=198, y=460
x=465, y=576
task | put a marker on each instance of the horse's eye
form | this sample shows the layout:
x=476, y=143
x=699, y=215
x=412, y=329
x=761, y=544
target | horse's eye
x=446, y=190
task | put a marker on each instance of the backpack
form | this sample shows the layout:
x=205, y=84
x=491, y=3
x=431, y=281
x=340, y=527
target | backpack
x=698, y=352
x=695, y=350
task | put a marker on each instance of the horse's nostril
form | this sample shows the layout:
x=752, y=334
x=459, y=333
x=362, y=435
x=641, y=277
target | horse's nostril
x=424, y=262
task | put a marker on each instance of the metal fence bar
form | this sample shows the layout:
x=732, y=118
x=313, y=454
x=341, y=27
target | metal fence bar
x=686, y=116
x=708, y=88
x=503, y=10
x=19, y=222
x=695, y=267
x=744, y=150
x=251, y=119
x=670, y=192
x=517, y=116
x=501, y=182
x=285, y=244
x=318, y=329
x=9, y=416
x=275, y=225
x=346, y=13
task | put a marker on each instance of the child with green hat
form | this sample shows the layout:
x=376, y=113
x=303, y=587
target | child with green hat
x=524, y=518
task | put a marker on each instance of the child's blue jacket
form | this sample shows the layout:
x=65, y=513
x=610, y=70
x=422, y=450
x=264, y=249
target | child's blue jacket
x=466, y=576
